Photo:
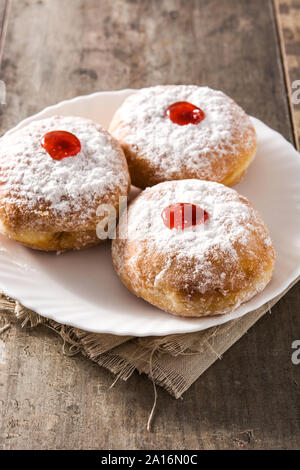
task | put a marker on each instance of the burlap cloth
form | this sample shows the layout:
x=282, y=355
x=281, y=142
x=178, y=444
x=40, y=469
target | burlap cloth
x=174, y=362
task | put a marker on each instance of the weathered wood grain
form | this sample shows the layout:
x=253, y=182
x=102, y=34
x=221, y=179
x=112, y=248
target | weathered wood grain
x=288, y=15
x=54, y=51
x=4, y=14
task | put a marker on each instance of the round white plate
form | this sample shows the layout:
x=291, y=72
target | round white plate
x=82, y=289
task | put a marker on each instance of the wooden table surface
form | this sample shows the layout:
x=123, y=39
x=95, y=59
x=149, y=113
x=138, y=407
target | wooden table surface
x=57, y=49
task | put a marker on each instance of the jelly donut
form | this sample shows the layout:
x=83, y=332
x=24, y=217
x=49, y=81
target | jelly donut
x=54, y=174
x=184, y=131
x=193, y=248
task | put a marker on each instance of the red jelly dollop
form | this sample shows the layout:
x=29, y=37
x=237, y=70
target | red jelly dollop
x=183, y=215
x=183, y=113
x=61, y=144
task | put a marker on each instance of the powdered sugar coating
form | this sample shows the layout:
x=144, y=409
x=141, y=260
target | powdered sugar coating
x=33, y=181
x=208, y=150
x=205, y=257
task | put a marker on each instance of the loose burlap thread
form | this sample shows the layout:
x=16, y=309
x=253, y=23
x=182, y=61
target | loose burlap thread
x=173, y=362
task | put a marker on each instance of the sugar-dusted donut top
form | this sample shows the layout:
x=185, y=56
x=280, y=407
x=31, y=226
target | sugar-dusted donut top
x=210, y=252
x=144, y=128
x=31, y=178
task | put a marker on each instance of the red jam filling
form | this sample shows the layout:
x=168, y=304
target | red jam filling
x=61, y=144
x=183, y=113
x=183, y=215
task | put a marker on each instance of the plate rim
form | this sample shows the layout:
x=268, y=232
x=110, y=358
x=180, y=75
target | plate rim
x=126, y=332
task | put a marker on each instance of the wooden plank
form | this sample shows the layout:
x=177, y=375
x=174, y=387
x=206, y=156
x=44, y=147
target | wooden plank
x=4, y=13
x=288, y=17
x=249, y=398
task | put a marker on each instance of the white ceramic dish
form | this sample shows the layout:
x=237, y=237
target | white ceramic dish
x=81, y=288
